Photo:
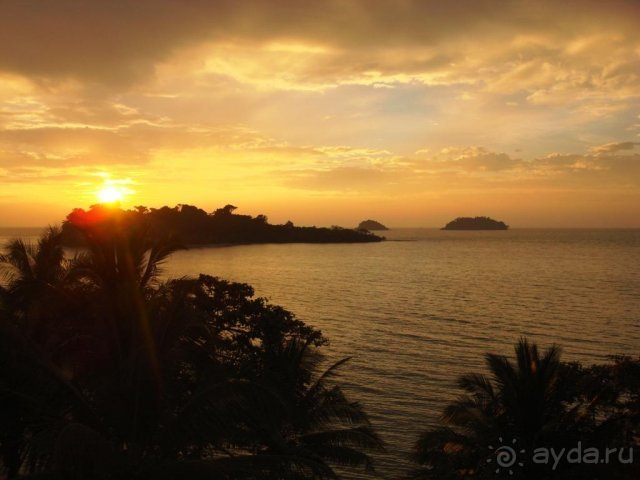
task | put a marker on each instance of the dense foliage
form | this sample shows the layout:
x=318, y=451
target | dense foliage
x=108, y=373
x=194, y=226
x=535, y=405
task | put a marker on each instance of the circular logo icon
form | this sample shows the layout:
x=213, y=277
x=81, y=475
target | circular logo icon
x=506, y=456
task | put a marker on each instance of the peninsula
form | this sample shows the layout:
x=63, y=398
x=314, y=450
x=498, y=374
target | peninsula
x=191, y=225
x=475, y=223
x=371, y=225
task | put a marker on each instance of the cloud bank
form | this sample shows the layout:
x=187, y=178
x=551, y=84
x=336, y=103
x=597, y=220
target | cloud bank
x=304, y=100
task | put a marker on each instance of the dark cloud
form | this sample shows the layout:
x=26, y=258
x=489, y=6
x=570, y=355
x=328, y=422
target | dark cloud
x=105, y=41
x=119, y=41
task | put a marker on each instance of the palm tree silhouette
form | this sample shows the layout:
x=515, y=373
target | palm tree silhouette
x=141, y=378
x=31, y=278
x=312, y=428
x=525, y=402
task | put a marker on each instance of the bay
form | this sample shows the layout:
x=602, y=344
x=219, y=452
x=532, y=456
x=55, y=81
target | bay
x=424, y=307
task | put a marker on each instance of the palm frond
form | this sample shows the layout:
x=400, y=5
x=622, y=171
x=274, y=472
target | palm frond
x=502, y=371
x=156, y=256
x=327, y=374
x=360, y=436
x=478, y=385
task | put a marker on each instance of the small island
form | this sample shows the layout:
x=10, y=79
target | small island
x=190, y=225
x=371, y=225
x=475, y=223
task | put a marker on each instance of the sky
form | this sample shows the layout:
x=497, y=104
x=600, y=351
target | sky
x=324, y=112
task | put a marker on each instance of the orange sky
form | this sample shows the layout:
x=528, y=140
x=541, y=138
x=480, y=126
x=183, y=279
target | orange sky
x=410, y=112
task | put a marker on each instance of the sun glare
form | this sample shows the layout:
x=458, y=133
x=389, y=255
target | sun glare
x=111, y=194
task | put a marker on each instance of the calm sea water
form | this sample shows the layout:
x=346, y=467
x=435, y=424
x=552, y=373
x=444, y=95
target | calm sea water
x=417, y=311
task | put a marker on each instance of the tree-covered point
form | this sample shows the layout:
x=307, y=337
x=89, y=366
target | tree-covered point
x=193, y=226
x=108, y=373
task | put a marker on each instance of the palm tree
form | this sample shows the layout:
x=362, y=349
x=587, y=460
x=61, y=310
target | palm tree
x=190, y=378
x=257, y=402
x=525, y=402
x=525, y=397
x=31, y=277
x=119, y=271
x=38, y=397
x=38, y=298
x=313, y=428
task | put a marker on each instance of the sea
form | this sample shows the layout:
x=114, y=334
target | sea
x=418, y=310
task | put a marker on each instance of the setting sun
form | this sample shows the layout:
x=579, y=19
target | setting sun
x=445, y=192
x=111, y=194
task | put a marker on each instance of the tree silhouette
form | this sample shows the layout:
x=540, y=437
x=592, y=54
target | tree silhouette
x=192, y=225
x=107, y=372
x=316, y=424
x=29, y=271
x=536, y=402
x=226, y=210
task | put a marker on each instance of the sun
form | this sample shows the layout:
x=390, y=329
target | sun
x=113, y=190
x=111, y=194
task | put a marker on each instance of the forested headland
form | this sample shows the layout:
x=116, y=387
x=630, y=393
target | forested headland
x=191, y=225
